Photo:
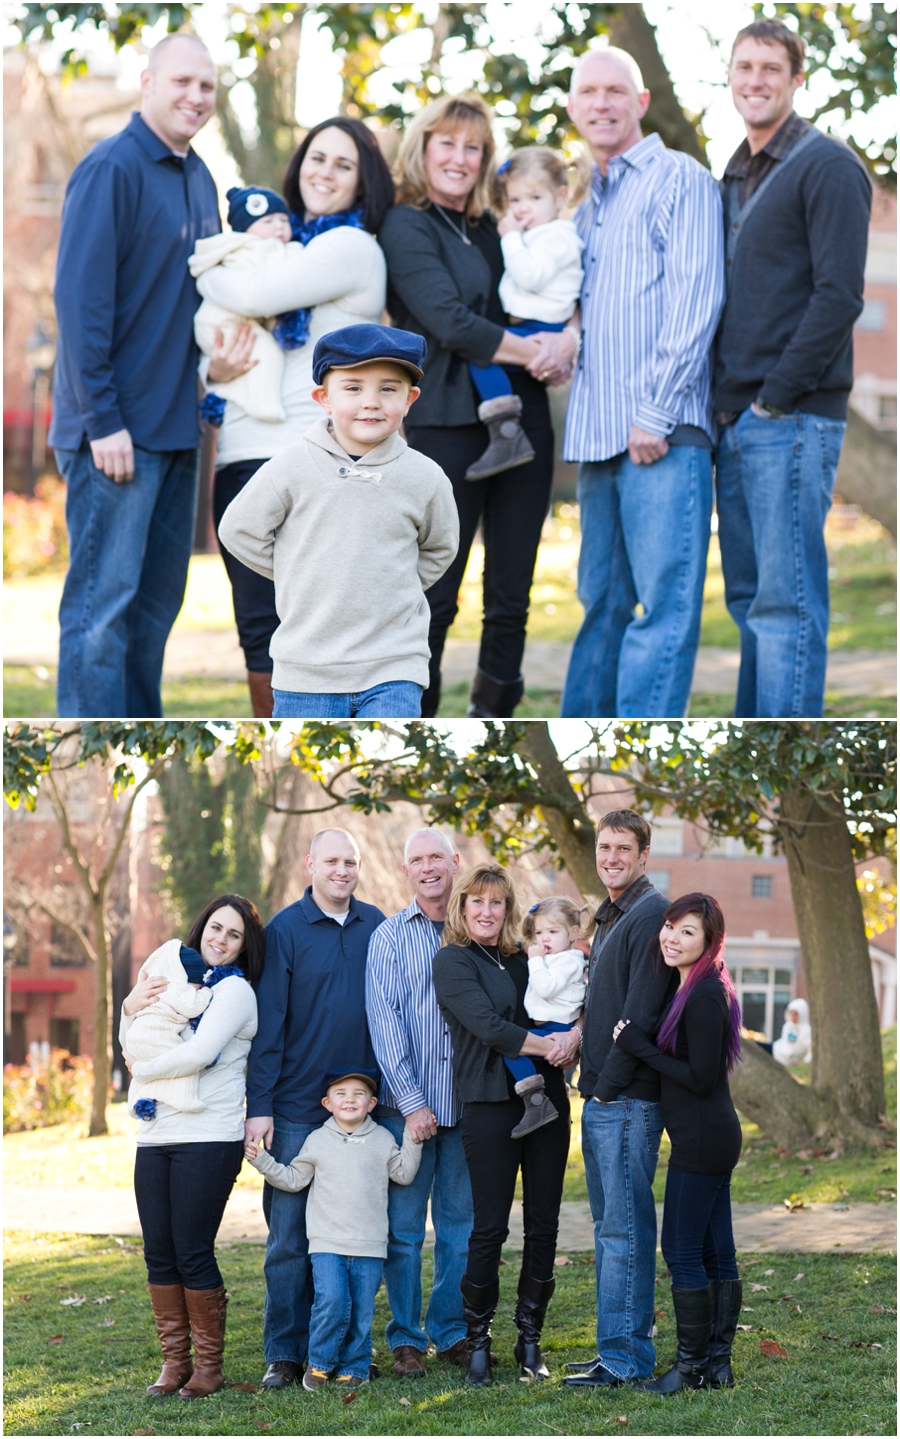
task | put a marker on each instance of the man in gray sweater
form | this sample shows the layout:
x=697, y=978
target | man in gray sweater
x=349, y=1163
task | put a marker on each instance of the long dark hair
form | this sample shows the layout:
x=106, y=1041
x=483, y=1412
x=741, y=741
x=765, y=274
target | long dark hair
x=711, y=962
x=253, y=955
x=375, y=192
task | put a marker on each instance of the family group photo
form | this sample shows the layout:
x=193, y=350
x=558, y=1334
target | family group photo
x=392, y=362
x=508, y=1078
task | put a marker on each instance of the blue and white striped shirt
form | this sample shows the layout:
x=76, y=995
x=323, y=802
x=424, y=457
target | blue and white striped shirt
x=654, y=286
x=409, y=1035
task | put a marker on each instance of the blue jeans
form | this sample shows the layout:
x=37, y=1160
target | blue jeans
x=492, y=381
x=644, y=539
x=697, y=1237
x=397, y=700
x=521, y=1067
x=340, y=1328
x=444, y=1177
x=129, y=547
x=620, y=1142
x=774, y=480
x=289, y=1287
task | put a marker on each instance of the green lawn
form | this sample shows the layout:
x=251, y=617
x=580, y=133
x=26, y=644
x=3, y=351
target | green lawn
x=82, y=1369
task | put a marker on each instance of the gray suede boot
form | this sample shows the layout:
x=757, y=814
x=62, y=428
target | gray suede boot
x=509, y=445
x=538, y=1108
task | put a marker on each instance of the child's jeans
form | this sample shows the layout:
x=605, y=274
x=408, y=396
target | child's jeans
x=340, y=1326
x=491, y=381
x=399, y=699
x=521, y=1067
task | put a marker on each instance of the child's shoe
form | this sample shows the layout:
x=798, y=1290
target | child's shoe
x=509, y=445
x=538, y=1108
x=315, y=1378
x=350, y=1381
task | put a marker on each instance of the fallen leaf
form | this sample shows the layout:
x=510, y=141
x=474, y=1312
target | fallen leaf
x=263, y=1427
x=107, y=1323
x=767, y=1272
x=245, y=1388
x=794, y=1309
x=75, y=1299
x=833, y=1337
x=755, y=1288
x=877, y=1308
x=504, y=1261
x=106, y=1299
x=887, y=1193
x=798, y=1276
x=149, y=1430
x=772, y=1349
x=23, y=1299
x=406, y=1403
x=804, y=1154
x=621, y=1418
x=56, y=1339
x=793, y=1204
x=747, y=1327
x=876, y=1346
x=349, y=1398
x=562, y=1259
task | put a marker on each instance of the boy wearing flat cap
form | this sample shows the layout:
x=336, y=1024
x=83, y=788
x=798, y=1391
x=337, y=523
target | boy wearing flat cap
x=354, y=527
x=348, y=1162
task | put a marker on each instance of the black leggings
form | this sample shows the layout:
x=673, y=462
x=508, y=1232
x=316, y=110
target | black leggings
x=253, y=596
x=494, y=1161
x=697, y=1238
x=511, y=508
x=181, y=1192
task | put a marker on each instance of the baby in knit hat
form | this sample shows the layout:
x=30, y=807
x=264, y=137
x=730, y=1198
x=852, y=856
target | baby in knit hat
x=260, y=239
x=348, y=1162
x=157, y=1028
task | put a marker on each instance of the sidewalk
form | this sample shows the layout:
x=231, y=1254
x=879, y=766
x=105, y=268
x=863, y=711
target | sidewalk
x=818, y=1229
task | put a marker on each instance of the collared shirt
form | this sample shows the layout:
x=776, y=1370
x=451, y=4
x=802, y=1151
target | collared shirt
x=612, y=910
x=409, y=1034
x=311, y=1005
x=750, y=170
x=653, y=290
x=125, y=300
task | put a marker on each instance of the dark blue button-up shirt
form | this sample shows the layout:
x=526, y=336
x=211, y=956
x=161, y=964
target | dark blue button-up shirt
x=311, y=1003
x=125, y=300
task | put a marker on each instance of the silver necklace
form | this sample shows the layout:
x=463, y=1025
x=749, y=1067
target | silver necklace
x=460, y=235
x=489, y=955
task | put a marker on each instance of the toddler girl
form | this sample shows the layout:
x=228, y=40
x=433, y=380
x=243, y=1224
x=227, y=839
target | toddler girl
x=540, y=288
x=555, y=995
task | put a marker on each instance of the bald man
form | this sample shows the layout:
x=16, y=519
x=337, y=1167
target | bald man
x=125, y=426
x=312, y=1018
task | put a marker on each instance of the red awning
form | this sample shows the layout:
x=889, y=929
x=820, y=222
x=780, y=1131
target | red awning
x=42, y=986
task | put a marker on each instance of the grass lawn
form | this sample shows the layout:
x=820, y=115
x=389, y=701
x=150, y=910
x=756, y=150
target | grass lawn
x=833, y=1316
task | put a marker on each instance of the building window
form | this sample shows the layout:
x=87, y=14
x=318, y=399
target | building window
x=64, y=1035
x=667, y=836
x=65, y=951
x=765, y=995
x=660, y=878
x=762, y=886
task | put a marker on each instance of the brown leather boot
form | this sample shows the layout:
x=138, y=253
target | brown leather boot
x=174, y=1330
x=206, y=1308
x=261, y=699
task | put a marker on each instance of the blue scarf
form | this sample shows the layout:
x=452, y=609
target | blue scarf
x=291, y=329
x=146, y=1108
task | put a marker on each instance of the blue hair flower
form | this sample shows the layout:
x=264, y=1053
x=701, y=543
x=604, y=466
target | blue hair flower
x=212, y=409
x=534, y=907
x=502, y=169
x=145, y=1109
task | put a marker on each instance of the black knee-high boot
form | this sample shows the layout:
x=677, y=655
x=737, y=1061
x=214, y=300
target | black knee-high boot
x=534, y=1296
x=479, y=1304
x=727, y=1296
x=693, y=1324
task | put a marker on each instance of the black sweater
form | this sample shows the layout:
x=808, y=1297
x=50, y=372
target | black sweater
x=697, y=1111
x=484, y=1009
x=447, y=291
x=625, y=981
x=795, y=286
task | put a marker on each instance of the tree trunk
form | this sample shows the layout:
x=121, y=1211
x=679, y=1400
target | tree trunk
x=563, y=811
x=275, y=87
x=867, y=473
x=847, y=1071
x=631, y=30
x=102, y=1011
x=786, y=1111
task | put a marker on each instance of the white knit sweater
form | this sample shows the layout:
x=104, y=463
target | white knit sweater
x=157, y=1027
x=341, y=276
x=217, y=1053
x=542, y=273
x=555, y=986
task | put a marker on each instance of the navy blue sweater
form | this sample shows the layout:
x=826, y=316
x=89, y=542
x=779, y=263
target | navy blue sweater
x=311, y=1003
x=795, y=287
x=125, y=300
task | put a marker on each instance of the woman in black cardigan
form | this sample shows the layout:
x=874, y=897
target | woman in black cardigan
x=480, y=978
x=698, y=1042
x=444, y=268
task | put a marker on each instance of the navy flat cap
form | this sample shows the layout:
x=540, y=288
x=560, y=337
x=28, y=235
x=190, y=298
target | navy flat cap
x=363, y=344
x=370, y=1077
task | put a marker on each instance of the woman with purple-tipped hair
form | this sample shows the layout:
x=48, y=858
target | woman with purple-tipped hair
x=697, y=1044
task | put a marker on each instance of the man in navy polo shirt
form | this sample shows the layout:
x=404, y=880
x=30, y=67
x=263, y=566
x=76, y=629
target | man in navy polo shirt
x=312, y=1011
x=125, y=425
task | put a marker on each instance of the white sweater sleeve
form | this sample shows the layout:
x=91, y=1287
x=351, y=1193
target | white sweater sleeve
x=549, y=981
x=438, y=535
x=250, y=523
x=333, y=265
x=293, y=1177
x=233, y=1006
x=532, y=267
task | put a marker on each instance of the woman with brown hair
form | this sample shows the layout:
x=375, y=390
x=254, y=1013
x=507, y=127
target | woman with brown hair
x=445, y=264
x=480, y=978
